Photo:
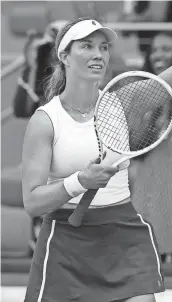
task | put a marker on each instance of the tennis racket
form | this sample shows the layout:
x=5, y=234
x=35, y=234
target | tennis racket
x=133, y=115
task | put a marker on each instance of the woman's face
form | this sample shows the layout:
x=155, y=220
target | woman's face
x=89, y=57
x=161, y=54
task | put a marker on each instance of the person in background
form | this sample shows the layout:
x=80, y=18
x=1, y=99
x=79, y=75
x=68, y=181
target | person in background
x=139, y=12
x=159, y=53
x=39, y=56
x=153, y=187
x=146, y=11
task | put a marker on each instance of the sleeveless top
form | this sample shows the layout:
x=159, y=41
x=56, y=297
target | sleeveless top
x=74, y=146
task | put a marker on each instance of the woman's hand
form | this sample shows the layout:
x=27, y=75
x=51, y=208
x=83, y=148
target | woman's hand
x=96, y=175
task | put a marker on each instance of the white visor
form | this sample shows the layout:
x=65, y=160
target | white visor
x=82, y=29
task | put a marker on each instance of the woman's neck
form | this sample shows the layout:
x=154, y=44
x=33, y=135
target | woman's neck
x=81, y=95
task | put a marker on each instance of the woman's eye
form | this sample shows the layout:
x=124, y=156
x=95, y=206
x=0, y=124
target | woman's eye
x=87, y=46
x=105, y=47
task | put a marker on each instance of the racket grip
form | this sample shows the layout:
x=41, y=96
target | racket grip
x=76, y=217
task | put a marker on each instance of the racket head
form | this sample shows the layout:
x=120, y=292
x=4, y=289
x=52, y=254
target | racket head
x=133, y=113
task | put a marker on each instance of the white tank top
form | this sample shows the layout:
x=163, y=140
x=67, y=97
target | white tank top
x=74, y=146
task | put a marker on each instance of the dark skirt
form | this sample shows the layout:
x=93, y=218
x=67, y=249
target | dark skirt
x=112, y=256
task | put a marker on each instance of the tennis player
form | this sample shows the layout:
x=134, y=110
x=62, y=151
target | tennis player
x=113, y=256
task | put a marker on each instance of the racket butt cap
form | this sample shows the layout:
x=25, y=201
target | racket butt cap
x=73, y=222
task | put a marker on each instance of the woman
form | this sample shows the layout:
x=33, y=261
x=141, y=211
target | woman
x=113, y=255
x=153, y=186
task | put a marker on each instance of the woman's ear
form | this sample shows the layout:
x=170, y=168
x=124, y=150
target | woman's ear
x=64, y=58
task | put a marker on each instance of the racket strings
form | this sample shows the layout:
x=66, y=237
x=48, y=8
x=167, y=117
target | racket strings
x=133, y=114
x=111, y=117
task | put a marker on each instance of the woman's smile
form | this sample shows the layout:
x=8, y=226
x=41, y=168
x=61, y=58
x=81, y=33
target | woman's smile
x=161, y=56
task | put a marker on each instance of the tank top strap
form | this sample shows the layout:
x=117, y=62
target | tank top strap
x=52, y=110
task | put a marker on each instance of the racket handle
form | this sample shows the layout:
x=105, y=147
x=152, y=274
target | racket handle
x=76, y=217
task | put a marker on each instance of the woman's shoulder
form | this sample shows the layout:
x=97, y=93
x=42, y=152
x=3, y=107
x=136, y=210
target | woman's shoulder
x=45, y=121
x=39, y=134
x=51, y=105
x=40, y=125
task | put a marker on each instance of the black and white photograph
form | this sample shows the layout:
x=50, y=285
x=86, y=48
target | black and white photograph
x=86, y=151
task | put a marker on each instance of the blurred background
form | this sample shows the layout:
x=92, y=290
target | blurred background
x=28, y=29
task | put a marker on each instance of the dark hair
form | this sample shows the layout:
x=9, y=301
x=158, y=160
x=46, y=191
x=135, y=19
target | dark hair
x=147, y=64
x=55, y=84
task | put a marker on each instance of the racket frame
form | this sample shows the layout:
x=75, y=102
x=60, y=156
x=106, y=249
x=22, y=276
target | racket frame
x=122, y=76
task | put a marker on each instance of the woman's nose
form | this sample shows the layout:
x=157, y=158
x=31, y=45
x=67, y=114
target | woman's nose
x=97, y=53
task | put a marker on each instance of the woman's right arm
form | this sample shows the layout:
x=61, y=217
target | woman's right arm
x=38, y=197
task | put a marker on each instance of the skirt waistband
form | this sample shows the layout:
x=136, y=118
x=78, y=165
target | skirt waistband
x=94, y=216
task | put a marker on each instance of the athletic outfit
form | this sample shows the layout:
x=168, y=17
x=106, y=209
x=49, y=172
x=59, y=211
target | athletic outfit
x=113, y=255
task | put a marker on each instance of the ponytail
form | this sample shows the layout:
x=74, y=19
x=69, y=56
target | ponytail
x=56, y=83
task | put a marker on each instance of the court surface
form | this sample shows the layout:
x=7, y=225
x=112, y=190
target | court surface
x=16, y=294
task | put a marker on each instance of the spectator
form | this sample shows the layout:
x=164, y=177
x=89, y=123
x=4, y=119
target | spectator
x=159, y=54
x=39, y=56
x=155, y=169
x=147, y=11
x=140, y=12
x=38, y=53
